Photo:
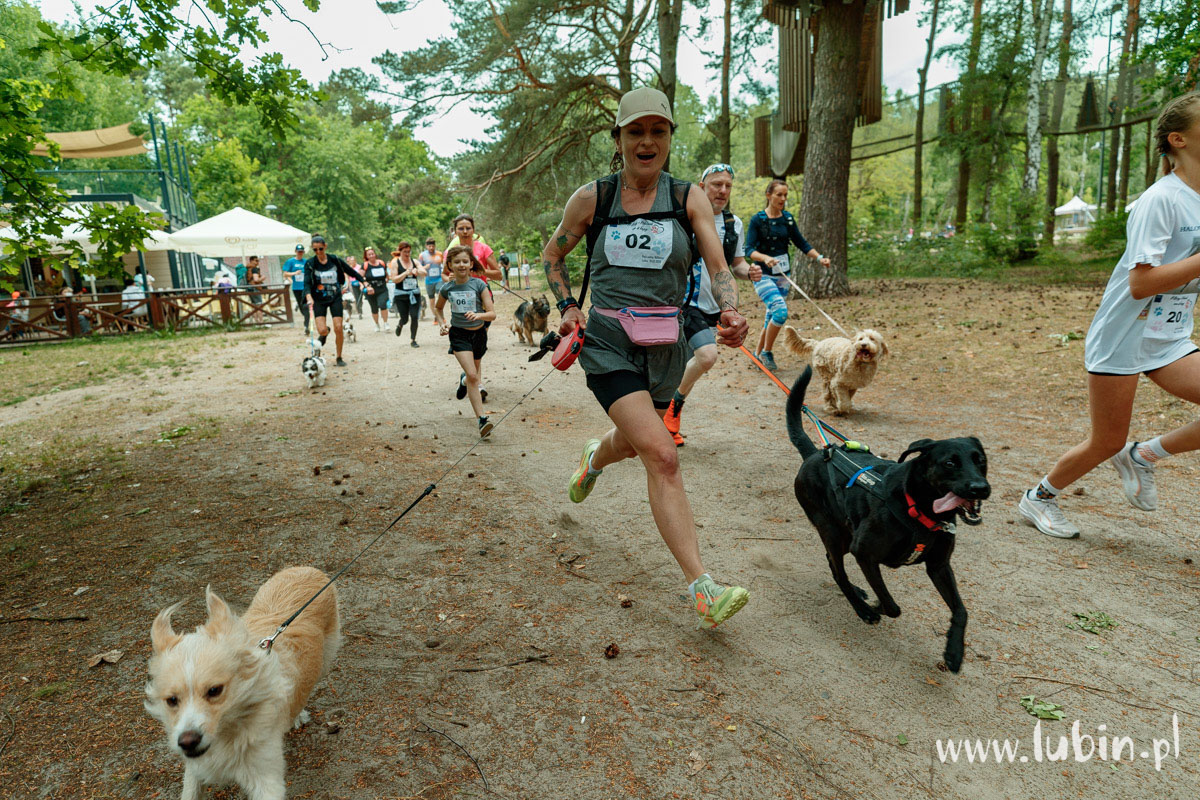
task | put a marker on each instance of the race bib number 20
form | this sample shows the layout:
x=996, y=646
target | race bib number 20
x=1170, y=317
x=641, y=244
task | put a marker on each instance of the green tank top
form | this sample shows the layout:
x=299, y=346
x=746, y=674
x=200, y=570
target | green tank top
x=639, y=262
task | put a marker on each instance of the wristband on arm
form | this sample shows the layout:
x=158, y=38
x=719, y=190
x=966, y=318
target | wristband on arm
x=565, y=303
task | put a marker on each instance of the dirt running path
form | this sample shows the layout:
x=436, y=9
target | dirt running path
x=485, y=615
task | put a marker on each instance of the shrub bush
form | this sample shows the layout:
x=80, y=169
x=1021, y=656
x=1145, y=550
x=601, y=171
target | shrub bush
x=1107, y=234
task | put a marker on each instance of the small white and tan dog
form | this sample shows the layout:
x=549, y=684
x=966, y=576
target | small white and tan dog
x=843, y=365
x=313, y=368
x=225, y=702
x=351, y=336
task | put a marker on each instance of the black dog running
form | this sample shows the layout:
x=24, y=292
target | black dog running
x=891, y=513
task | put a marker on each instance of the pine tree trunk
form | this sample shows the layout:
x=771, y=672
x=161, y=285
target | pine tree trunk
x=964, y=159
x=823, y=209
x=1152, y=164
x=1114, y=139
x=724, y=123
x=1056, y=112
x=625, y=50
x=1131, y=23
x=918, y=141
x=670, y=17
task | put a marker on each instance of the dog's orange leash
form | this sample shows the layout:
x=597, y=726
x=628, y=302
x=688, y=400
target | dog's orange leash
x=766, y=371
x=817, y=423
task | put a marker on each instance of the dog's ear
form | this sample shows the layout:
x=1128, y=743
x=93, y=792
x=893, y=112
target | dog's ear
x=883, y=348
x=162, y=636
x=220, y=618
x=918, y=447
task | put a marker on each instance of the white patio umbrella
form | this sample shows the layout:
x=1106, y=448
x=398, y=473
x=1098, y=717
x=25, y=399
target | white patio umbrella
x=238, y=232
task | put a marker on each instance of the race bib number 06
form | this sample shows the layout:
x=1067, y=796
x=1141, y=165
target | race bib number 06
x=463, y=302
x=641, y=244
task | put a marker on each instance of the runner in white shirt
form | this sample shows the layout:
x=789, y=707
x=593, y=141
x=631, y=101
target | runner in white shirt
x=701, y=314
x=1143, y=325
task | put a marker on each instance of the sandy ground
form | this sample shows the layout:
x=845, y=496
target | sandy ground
x=474, y=663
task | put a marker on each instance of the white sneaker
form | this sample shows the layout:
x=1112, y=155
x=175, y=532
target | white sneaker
x=1138, y=481
x=1046, y=516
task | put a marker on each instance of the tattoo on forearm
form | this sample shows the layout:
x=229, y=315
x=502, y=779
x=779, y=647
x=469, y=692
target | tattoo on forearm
x=565, y=239
x=724, y=289
x=556, y=276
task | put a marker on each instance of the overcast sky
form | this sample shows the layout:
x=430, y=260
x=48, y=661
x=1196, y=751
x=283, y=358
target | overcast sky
x=361, y=32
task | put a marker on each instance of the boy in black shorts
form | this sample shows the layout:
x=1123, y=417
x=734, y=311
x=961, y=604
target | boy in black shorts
x=470, y=308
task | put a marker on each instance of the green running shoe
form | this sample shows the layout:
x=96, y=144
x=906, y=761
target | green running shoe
x=716, y=603
x=582, y=482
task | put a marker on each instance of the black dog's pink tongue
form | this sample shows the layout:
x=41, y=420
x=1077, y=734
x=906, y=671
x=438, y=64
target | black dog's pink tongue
x=948, y=503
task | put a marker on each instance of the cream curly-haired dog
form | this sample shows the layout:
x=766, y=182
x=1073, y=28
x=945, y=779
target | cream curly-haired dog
x=843, y=365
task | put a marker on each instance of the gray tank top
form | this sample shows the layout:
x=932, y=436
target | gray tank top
x=653, y=258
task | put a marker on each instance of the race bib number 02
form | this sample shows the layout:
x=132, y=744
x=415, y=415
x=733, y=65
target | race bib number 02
x=641, y=244
x=1170, y=317
x=463, y=302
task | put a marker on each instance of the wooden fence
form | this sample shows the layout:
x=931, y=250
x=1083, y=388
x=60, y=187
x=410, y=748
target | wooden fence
x=44, y=319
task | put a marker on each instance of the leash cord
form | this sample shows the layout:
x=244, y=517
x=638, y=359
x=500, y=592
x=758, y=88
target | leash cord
x=820, y=425
x=504, y=288
x=804, y=294
x=266, y=643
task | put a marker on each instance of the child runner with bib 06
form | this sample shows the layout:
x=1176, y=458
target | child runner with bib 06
x=470, y=307
x=1143, y=325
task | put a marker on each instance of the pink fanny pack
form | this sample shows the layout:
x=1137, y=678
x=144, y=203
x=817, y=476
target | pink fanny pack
x=647, y=326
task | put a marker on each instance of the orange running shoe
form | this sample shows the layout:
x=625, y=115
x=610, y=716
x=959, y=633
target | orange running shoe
x=671, y=420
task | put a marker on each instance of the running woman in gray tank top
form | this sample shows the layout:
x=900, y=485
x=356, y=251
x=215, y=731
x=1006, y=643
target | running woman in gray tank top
x=640, y=259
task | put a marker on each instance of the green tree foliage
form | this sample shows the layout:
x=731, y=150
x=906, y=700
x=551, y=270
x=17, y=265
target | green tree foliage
x=1175, y=50
x=224, y=177
x=39, y=94
x=59, y=72
x=549, y=74
x=347, y=172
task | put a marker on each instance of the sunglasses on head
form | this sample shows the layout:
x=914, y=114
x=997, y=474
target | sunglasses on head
x=717, y=168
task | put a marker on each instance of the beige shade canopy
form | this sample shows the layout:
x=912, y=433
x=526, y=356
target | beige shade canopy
x=100, y=143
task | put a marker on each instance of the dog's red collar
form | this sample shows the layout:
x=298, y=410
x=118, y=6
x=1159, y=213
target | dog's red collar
x=920, y=516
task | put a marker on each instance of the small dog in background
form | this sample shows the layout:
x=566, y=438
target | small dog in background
x=349, y=331
x=225, y=702
x=843, y=365
x=530, y=316
x=313, y=368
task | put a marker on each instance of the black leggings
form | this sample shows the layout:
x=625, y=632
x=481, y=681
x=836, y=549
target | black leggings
x=299, y=295
x=407, y=306
x=378, y=300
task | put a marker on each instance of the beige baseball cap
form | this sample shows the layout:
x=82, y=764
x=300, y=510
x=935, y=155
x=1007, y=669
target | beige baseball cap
x=643, y=102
